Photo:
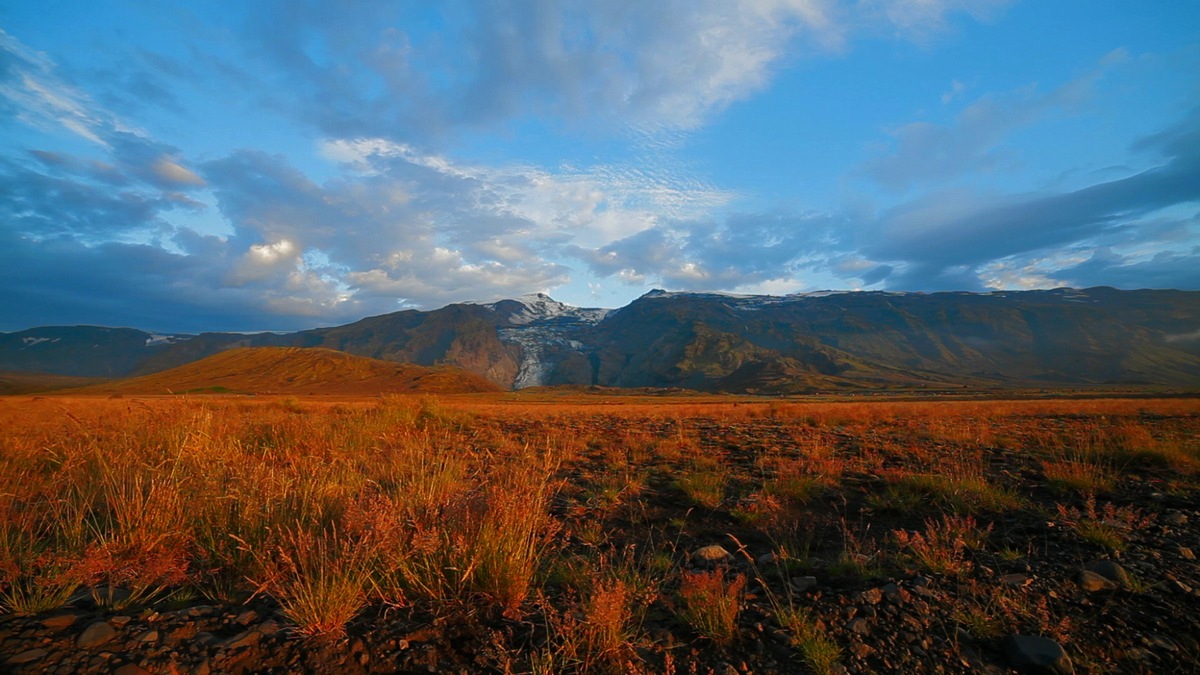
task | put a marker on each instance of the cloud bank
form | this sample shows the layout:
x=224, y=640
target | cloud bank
x=116, y=221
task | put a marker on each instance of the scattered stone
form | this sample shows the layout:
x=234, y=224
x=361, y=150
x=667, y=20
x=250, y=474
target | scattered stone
x=860, y=626
x=59, y=621
x=711, y=555
x=803, y=584
x=199, y=610
x=1186, y=553
x=120, y=621
x=1175, y=518
x=247, y=639
x=27, y=657
x=1016, y=580
x=1036, y=654
x=1177, y=586
x=1093, y=582
x=861, y=650
x=246, y=618
x=148, y=636
x=1111, y=571
x=872, y=597
x=96, y=635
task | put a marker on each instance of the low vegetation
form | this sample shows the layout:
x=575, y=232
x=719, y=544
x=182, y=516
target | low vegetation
x=559, y=534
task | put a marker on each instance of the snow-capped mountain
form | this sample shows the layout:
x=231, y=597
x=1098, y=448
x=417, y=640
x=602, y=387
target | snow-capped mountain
x=539, y=307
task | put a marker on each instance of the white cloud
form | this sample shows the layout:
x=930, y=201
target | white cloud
x=43, y=100
x=168, y=171
x=653, y=67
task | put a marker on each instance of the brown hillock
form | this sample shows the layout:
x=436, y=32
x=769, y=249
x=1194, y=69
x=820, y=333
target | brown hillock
x=299, y=370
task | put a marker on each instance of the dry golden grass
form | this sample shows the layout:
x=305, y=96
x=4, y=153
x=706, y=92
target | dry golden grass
x=505, y=504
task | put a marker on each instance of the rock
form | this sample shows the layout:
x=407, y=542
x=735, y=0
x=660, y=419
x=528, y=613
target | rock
x=148, y=636
x=1015, y=580
x=803, y=584
x=120, y=621
x=1177, y=586
x=246, y=618
x=1111, y=571
x=1175, y=518
x=712, y=554
x=892, y=592
x=247, y=639
x=96, y=635
x=860, y=626
x=268, y=627
x=199, y=610
x=767, y=559
x=872, y=597
x=1036, y=654
x=1092, y=582
x=131, y=669
x=1186, y=553
x=27, y=657
x=59, y=621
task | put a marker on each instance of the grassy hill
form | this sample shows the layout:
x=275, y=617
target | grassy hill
x=297, y=370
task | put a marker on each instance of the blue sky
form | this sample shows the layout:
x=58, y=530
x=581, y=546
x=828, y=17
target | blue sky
x=284, y=165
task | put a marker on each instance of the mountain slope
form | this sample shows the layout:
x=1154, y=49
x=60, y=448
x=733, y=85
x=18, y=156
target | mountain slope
x=82, y=351
x=295, y=370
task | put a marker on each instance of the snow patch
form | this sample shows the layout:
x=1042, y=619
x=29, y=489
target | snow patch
x=31, y=341
x=534, y=307
x=155, y=340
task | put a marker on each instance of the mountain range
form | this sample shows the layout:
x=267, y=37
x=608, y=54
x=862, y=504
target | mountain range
x=720, y=342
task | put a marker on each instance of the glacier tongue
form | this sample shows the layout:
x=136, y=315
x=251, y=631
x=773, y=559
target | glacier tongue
x=543, y=328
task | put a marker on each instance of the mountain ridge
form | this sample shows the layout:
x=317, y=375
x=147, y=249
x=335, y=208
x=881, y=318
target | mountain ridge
x=839, y=340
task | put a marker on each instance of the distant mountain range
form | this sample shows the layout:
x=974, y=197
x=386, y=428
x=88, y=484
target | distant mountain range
x=295, y=370
x=719, y=342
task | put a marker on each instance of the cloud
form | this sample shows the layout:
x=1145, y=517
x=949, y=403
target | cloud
x=741, y=250
x=924, y=152
x=169, y=172
x=952, y=237
x=659, y=67
x=400, y=226
x=38, y=97
x=1165, y=269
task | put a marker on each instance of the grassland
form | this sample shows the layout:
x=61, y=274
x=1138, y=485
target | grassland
x=574, y=533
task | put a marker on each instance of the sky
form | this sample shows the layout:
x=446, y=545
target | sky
x=243, y=166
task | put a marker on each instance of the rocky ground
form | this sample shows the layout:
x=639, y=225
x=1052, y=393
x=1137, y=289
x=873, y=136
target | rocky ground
x=1060, y=580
